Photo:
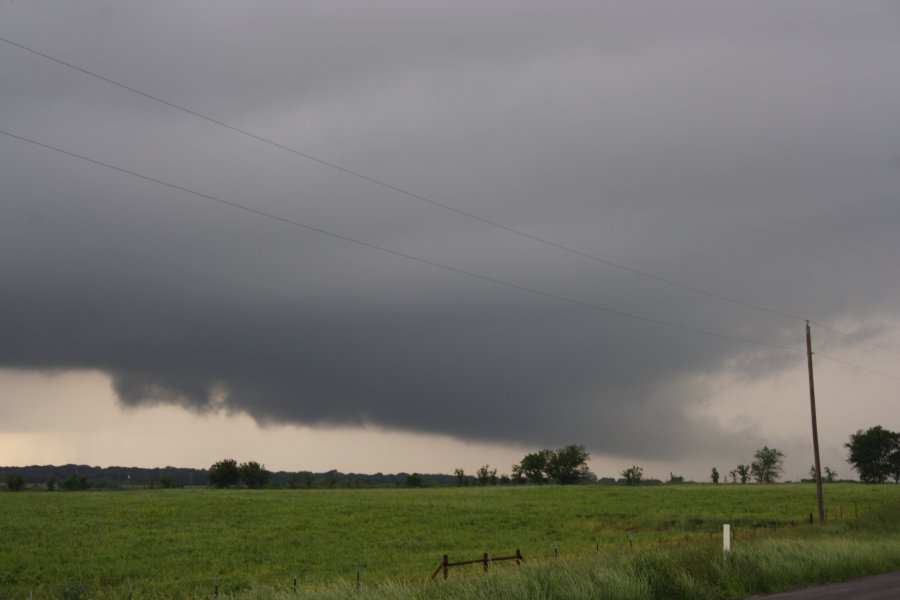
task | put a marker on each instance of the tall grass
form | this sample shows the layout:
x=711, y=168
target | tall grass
x=692, y=572
x=173, y=543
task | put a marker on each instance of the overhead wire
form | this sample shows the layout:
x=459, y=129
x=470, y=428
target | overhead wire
x=853, y=337
x=398, y=253
x=855, y=366
x=442, y=205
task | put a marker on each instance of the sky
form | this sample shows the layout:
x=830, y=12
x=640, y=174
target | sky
x=417, y=236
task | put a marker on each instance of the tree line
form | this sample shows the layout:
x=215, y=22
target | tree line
x=73, y=477
x=873, y=453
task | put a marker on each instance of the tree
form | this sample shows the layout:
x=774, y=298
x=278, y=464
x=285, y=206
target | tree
x=828, y=474
x=568, y=465
x=253, y=474
x=165, y=481
x=767, y=465
x=743, y=471
x=14, y=482
x=875, y=454
x=533, y=467
x=224, y=473
x=486, y=475
x=460, y=477
x=714, y=475
x=633, y=475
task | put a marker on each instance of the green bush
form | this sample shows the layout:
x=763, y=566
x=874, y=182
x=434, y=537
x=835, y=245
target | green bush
x=74, y=483
x=414, y=480
x=14, y=482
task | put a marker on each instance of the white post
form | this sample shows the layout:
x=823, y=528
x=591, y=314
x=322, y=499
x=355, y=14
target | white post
x=726, y=537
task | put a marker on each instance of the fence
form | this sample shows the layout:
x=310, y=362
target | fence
x=484, y=560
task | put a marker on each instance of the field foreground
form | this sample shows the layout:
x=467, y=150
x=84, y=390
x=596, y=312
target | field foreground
x=654, y=541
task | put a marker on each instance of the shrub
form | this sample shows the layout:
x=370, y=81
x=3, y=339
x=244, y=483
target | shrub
x=73, y=483
x=414, y=480
x=15, y=482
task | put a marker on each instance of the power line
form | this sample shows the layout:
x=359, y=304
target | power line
x=442, y=205
x=854, y=338
x=425, y=261
x=855, y=366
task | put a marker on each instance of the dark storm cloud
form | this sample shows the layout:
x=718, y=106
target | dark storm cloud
x=745, y=150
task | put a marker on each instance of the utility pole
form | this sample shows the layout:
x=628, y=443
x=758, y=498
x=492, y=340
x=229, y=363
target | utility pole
x=815, y=428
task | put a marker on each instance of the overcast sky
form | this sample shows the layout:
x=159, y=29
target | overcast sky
x=479, y=309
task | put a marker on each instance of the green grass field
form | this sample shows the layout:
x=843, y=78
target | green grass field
x=173, y=543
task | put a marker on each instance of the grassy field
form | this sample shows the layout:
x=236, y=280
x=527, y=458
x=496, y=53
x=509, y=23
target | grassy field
x=173, y=543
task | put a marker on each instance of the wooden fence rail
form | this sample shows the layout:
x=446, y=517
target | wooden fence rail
x=484, y=560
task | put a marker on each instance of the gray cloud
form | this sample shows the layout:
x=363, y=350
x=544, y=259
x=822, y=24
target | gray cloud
x=742, y=150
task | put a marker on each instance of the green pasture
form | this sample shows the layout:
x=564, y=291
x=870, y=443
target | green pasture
x=173, y=543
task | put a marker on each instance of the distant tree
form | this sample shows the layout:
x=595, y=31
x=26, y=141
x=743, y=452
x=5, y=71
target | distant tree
x=14, y=482
x=875, y=454
x=568, y=465
x=414, y=480
x=485, y=475
x=253, y=474
x=224, y=473
x=533, y=467
x=51, y=483
x=293, y=482
x=767, y=465
x=460, y=477
x=504, y=480
x=714, y=475
x=828, y=474
x=743, y=472
x=633, y=475
x=165, y=481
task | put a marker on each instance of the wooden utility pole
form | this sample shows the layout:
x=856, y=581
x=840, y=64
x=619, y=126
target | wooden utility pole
x=815, y=428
